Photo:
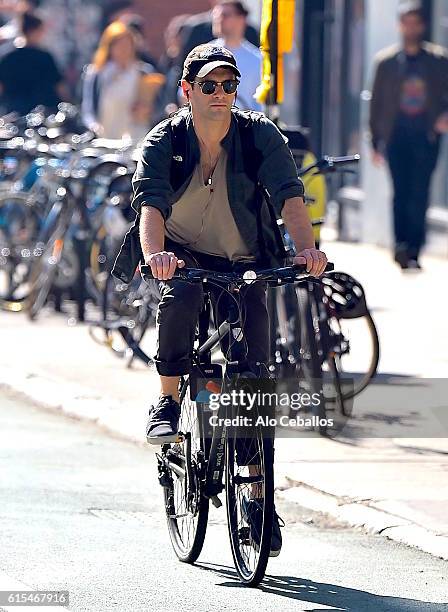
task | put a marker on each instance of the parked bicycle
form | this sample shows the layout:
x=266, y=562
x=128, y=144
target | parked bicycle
x=52, y=215
x=317, y=327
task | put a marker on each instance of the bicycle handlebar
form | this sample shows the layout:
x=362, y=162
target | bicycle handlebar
x=270, y=275
x=330, y=164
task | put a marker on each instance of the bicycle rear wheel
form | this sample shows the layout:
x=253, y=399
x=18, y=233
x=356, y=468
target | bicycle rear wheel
x=250, y=503
x=356, y=354
x=181, y=472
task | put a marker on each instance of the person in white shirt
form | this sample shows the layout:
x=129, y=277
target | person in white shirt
x=229, y=20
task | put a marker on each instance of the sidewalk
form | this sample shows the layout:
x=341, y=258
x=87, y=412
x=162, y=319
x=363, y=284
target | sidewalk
x=396, y=486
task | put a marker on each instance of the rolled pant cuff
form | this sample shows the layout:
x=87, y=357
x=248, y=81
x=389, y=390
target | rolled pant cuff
x=173, y=368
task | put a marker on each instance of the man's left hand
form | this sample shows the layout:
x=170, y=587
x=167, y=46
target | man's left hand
x=441, y=126
x=315, y=261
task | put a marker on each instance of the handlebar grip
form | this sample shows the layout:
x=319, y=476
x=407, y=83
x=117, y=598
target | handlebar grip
x=302, y=267
x=345, y=160
x=146, y=272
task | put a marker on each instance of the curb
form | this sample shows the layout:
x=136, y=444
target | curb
x=361, y=515
x=84, y=404
x=75, y=402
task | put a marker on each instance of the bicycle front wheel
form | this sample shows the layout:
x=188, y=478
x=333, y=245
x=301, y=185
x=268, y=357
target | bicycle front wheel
x=182, y=467
x=250, y=502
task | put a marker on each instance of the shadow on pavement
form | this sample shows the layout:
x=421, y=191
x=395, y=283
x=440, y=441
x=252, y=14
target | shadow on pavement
x=419, y=450
x=321, y=593
x=390, y=378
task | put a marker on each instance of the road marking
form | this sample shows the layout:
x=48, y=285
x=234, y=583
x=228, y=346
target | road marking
x=7, y=583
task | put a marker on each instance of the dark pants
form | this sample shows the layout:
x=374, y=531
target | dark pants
x=412, y=158
x=182, y=302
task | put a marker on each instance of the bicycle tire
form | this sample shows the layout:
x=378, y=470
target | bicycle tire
x=16, y=210
x=44, y=268
x=240, y=538
x=131, y=335
x=187, y=552
x=311, y=352
x=360, y=384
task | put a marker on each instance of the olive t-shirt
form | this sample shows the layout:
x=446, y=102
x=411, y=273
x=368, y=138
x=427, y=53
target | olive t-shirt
x=202, y=219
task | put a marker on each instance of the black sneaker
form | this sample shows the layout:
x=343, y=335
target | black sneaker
x=163, y=421
x=253, y=515
x=414, y=264
x=402, y=257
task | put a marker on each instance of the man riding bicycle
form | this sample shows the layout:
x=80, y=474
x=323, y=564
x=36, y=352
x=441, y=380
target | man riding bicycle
x=197, y=195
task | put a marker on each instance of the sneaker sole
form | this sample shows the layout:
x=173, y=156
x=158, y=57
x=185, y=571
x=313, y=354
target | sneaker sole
x=157, y=440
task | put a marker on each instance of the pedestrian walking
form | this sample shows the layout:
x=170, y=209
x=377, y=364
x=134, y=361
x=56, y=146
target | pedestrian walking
x=229, y=20
x=29, y=75
x=137, y=24
x=119, y=90
x=409, y=112
x=198, y=31
x=13, y=11
x=171, y=66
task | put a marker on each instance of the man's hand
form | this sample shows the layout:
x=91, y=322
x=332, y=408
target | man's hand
x=315, y=261
x=164, y=264
x=378, y=159
x=441, y=125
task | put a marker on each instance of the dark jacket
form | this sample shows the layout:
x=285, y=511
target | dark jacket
x=163, y=175
x=389, y=74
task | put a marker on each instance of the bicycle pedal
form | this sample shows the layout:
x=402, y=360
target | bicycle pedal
x=244, y=535
x=216, y=501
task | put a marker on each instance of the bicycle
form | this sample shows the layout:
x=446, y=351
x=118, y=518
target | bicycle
x=312, y=324
x=191, y=470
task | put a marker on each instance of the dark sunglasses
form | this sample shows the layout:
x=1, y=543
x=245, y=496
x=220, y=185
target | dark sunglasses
x=209, y=87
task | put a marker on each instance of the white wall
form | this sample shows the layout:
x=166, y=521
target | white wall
x=381, y=31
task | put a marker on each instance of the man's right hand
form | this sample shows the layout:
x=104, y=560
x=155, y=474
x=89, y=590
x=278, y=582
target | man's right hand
x=378, y=159
x=164, y=264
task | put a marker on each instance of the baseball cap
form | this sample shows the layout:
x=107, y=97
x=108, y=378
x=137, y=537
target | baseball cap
x=205, y=58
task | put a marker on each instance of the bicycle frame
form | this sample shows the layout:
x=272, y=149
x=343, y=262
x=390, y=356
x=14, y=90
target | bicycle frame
x=215, y=465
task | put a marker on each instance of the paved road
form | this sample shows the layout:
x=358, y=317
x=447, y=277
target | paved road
x=82, y=511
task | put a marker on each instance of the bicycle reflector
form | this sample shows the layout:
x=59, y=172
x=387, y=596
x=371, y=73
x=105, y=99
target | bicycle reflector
x=250, y=276
x=345, y=295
